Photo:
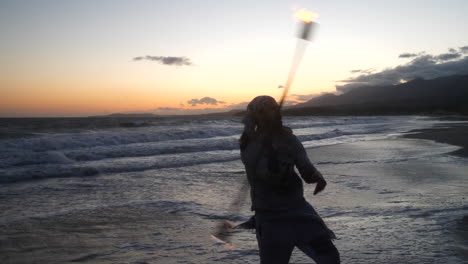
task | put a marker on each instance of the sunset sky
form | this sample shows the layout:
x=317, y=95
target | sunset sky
x=77, y=58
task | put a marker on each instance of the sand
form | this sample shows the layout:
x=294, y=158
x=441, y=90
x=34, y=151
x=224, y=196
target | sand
x=454, y=134
x=394, y=201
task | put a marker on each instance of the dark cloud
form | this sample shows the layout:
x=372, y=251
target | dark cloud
x=452, y=50
x=407, y=55
x=448, y=56
x=205, y=100
x=176, y=61
x=364, y=71
x=464, y=49
x=422, y=66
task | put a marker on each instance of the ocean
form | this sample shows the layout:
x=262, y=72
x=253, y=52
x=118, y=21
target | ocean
x=151, y=190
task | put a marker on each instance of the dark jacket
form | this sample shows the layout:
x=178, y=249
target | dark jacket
x=270, y=163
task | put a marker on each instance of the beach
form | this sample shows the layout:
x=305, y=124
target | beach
x=389, y=198
x=411, y=210
x=453, y=134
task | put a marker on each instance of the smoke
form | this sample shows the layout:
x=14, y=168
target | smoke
x=205, y=100
x=422, y=65
x=175, y=61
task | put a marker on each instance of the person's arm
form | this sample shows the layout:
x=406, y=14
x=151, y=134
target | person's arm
x=308, y=172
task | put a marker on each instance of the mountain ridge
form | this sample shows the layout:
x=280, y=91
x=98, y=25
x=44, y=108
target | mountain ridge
x=443, y=94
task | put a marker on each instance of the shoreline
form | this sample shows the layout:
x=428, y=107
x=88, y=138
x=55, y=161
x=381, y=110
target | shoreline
x=452, y=134
x=386, y=192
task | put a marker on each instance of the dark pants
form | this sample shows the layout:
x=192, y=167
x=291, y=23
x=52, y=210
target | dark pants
x=277, y=239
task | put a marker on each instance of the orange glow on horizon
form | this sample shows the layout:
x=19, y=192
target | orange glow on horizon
x=44, y=98
x=54, y=91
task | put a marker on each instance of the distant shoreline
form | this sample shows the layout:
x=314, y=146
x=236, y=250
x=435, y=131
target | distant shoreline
x=453, y=134
x=306, y=111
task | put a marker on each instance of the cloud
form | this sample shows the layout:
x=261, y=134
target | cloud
x=176, y=61
x=464, y=49
x=422, y=66
x=205, y=100
x=407, y=55
x=366, y=71
x=448, y=56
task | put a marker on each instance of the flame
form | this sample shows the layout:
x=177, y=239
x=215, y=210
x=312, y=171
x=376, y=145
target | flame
x=306, y=15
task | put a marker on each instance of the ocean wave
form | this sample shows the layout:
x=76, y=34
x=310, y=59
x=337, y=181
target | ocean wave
x=111, y=138
x=119, y=165
x=22, y=157
x=326, y=135
x=107, y=151
x=143, y=131
x=25, y=157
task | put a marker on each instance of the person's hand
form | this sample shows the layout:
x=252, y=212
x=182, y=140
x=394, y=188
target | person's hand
x=321, y=183
x=229, y=226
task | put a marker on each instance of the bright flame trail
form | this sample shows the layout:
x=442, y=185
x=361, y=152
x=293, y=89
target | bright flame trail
x=306, y=18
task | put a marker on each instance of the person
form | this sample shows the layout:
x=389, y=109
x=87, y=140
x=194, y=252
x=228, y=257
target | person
x=283, y=219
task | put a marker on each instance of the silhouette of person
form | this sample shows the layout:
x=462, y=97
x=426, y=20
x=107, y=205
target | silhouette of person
x=283, y=218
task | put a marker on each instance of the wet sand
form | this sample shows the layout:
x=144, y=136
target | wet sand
x=394, y=201
x=453, y=134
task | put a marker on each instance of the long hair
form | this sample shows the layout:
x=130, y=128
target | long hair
x=251, y=122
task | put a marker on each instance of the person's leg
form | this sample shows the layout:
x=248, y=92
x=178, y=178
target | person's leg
x=322, y=251
x=275, y=243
